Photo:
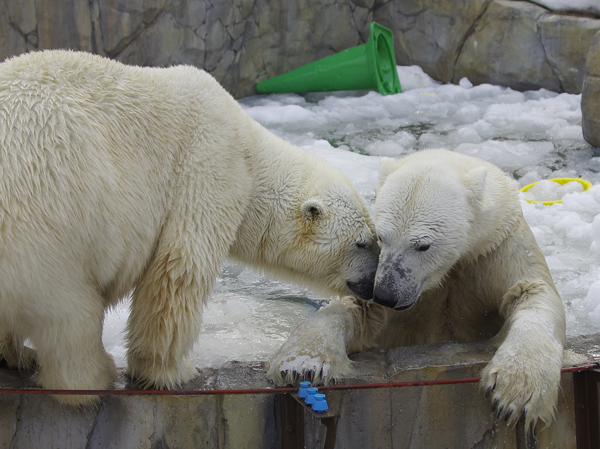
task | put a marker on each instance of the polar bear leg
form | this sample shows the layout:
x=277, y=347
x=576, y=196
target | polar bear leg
x=317, y=348
x=524, y=374
x=164, y=322
x=69, y=346
x=167, y=304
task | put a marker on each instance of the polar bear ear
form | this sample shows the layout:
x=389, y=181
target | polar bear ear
x=312, y=209
x=475, y=181
x=387, y=166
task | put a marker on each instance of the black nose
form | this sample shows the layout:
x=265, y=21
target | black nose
x=363, y=289
x=384, y=297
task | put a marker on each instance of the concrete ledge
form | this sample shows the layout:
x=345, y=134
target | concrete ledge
x=455, y=415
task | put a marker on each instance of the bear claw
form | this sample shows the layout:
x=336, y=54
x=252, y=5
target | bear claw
x=495, y=404
x=523, y=415
x=500, y=410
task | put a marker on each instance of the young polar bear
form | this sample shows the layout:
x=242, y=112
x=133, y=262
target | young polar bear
x=115, y=178
x=458, y=262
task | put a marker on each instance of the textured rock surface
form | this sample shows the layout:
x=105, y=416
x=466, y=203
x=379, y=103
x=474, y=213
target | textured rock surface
x=431, y=33
x=451, y=415
x=506, y=43
x=590, y=98
x=511, y=43
x=566, y=40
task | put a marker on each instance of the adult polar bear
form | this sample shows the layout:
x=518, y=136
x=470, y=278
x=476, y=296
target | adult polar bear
x=457, y=254
x=115, y=177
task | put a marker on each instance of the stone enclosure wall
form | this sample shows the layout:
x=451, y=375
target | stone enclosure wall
x=590, y=98
x=511, y=43
x=455, y=415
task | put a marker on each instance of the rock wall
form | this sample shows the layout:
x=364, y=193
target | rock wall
x=240, y=42
x=453, y=415
x=511, y=43
x=590, y=98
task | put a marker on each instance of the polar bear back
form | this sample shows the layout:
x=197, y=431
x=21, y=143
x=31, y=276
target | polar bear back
x=92, y=146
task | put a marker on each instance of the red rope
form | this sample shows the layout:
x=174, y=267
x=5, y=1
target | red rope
x=420, y=383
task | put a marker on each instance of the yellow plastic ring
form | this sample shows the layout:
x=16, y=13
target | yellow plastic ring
x=562, y=181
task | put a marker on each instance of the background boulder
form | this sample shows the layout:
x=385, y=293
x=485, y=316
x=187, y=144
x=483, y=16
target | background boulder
x=517, y=44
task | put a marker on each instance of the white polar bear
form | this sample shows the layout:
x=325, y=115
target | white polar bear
x=115, y=178
x=458, y=262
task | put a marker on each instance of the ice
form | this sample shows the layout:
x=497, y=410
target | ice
x=287, y=114
x=465, y=83
x=532, y=136
x=510, y=155
x=413, y=77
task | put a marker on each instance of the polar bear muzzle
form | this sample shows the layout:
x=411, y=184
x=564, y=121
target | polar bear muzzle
x=363, y=288
x=395, y=286
x=360, y=272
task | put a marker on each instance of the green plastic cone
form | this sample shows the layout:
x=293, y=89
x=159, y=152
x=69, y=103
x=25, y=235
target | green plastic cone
x=368, y=66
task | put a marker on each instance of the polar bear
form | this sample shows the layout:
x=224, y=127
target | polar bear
x=458, y=262
x=116, y=178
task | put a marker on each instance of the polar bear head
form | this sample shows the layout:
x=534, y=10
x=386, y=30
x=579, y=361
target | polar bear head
x=311, y=227
x=336, y=243
x=425, y=214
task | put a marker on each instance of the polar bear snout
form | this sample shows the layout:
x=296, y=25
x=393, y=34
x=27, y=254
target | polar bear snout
x=395, y=286
x=363, y=288
x=363, y=285
x=384, y=297
x=392, y=298
x=361, y=273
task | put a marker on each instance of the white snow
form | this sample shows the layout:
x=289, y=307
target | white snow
x=532, y=135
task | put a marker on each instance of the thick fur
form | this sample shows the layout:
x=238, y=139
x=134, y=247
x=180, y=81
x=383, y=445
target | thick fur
x=458, y=262
x=115, y=178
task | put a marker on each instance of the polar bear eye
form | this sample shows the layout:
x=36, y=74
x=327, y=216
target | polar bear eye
x=361, y=245
x=423, y=247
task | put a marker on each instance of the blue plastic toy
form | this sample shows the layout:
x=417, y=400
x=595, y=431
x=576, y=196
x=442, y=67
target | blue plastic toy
x=302, y=390
x=310, y=396
x=320, y=404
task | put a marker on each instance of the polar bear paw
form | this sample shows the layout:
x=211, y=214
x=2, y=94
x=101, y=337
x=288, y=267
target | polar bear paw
x=300, y=359
x=524, y=389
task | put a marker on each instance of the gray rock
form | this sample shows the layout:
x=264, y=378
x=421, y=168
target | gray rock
x=64, y=24
x=566, y=40
x=13, y=40
x=120, y=22
x=241, y=42
x=590, y=97
x=510, y=43
x=505, y=45
x=283, y=37
x=430, y=33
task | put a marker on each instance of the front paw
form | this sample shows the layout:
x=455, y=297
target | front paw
x=300, y=359
x=523, y=388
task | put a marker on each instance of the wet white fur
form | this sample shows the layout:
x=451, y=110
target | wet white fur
x=115, y=177
x=485, y=279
